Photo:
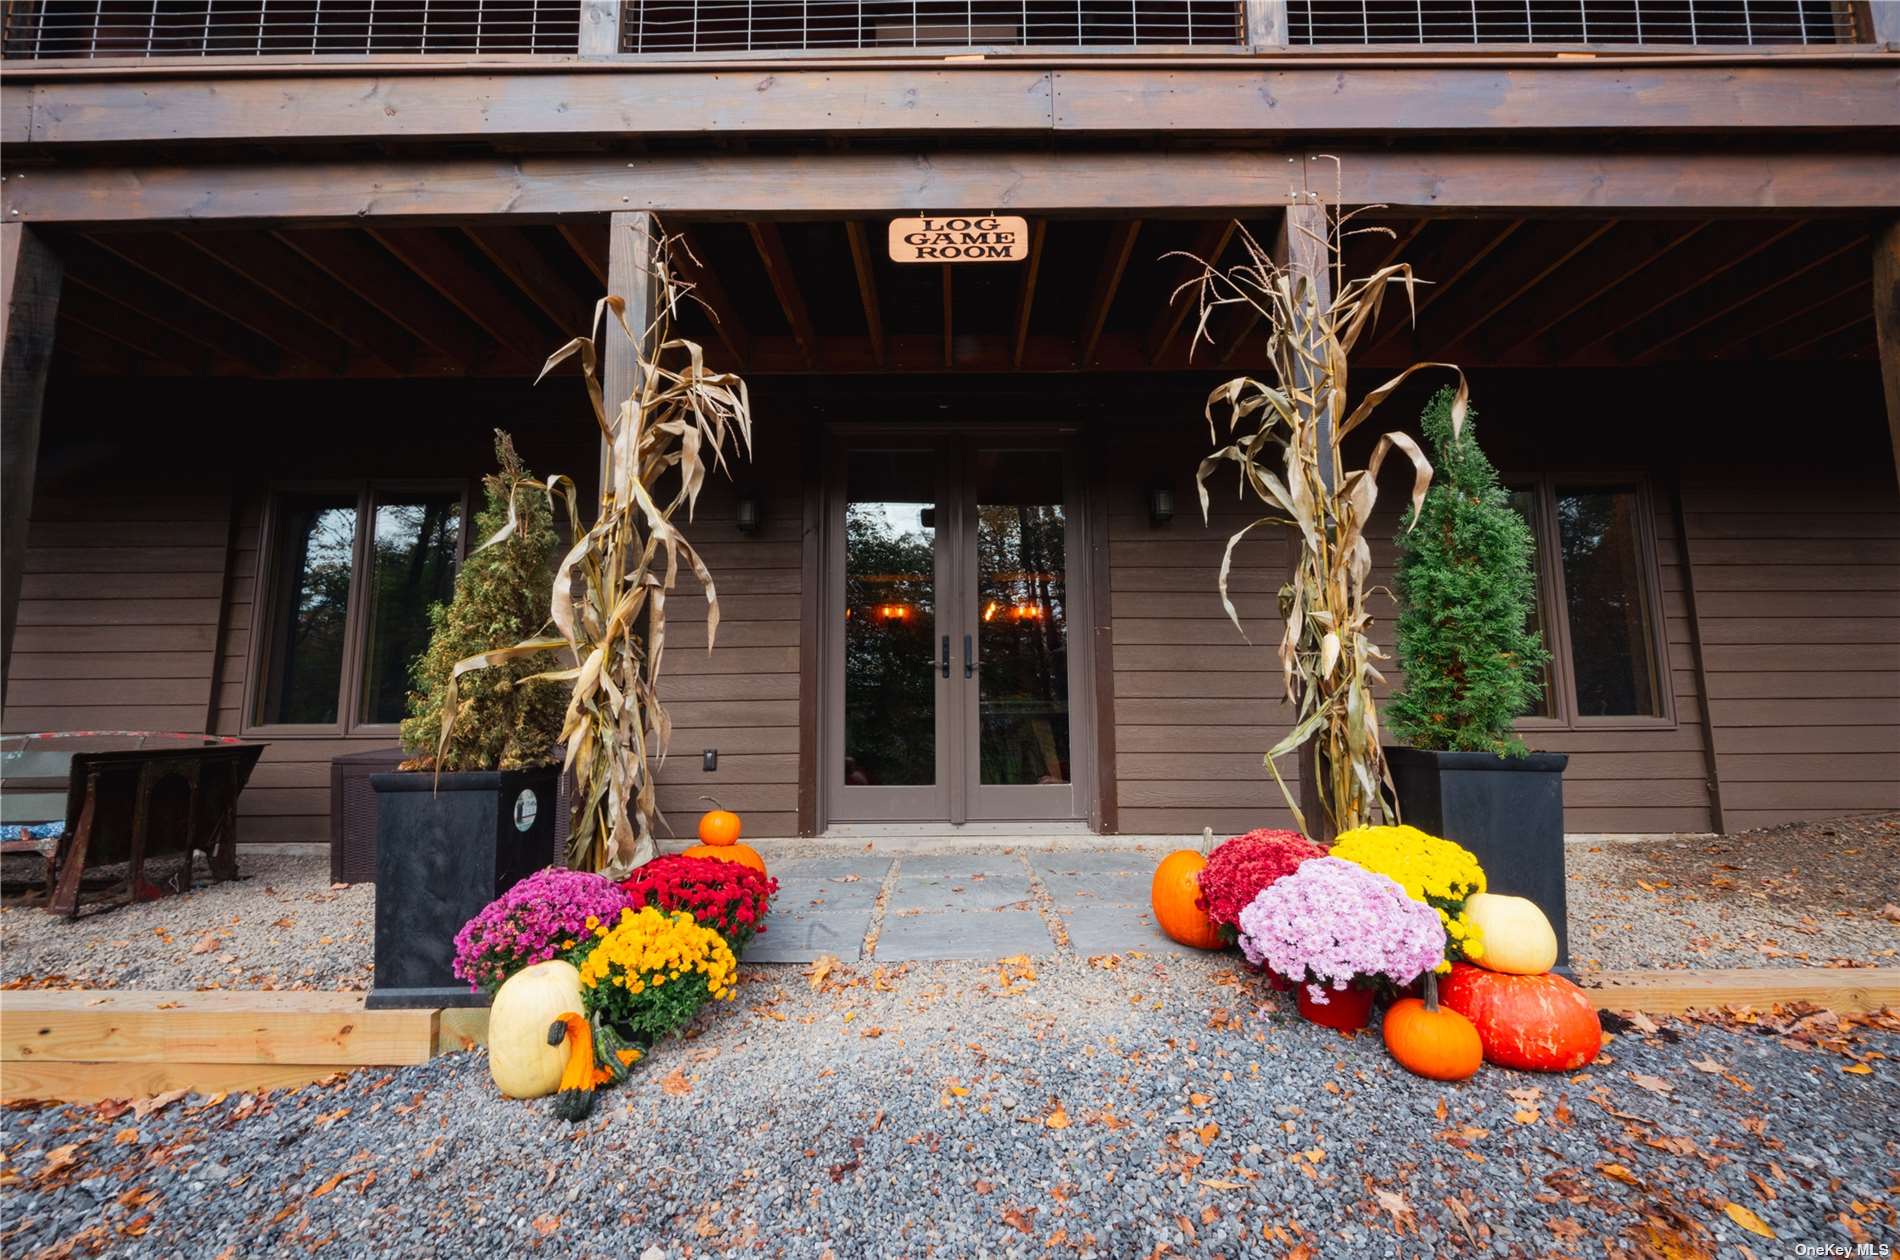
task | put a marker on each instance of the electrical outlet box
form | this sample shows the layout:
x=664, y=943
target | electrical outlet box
x=709, y=760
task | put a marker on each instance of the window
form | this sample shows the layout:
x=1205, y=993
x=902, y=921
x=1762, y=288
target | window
x=349, y=577
x=1597, y=609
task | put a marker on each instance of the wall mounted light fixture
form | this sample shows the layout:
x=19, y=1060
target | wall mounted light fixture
x=1160, y=505
x=746, y=514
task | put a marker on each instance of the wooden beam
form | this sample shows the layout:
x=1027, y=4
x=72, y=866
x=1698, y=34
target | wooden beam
x=1883, y=22
x=778, y=269
x=1196, y=184
x=1511, y=273
x=272, y=266
x=359, y=265
x=1108, y=279
x=1809, y=317
x=696, y=268
x=1842, y=989
x=1026, y=296
x=1208, y=246
x=1267, y=26
x=201, y=276
x=30, y=281
x=862, y=263
x=1463, y=247
x=588, y=239
x=435, y=256
x=1887, y=325
x=55, y=108
x=632, y=238
x=1720, y=249
x=169, y=350
x=600, y=28
x=517, y=255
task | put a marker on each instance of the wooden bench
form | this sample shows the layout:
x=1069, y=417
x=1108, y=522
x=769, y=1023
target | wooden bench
x=128, y=797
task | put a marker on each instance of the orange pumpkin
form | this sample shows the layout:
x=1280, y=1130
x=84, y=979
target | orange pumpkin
x=1535, y=1023
x=718, y=826
x=1176, y=894
x=1430, y=1040
x=744, y=854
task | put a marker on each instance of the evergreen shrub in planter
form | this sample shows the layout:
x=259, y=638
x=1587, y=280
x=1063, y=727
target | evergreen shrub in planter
x=1473, y=663
x=466, y=818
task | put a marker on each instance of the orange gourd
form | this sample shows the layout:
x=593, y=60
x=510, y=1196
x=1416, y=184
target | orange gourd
x=1430, y=1040
x=1176, y=896
x=744, y=854
x=574, y=1098
x=1535, y=1023
x=718, y=826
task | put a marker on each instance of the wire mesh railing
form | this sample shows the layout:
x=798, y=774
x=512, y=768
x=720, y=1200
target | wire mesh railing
x=287, y=28
x=1637, y=22
x=748, y=25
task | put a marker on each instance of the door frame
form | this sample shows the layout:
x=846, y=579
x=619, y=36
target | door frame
x=1079, y=580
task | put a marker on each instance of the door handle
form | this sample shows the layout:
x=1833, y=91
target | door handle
x=946, y=656
x=969, y=657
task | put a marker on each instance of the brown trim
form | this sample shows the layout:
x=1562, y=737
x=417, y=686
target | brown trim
x=811, y=559
x=1108, y=281
x=1716, y=821
x=1026, y=296
x=1106, y=814
x=1184, y=184
x=867, y=287
x=31, y=277
x=232, y=532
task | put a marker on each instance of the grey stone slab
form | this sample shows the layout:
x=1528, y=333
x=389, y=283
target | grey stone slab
x=869, y=869
x=964, y=864
x=1116, y=930
x=969, y=892
x=802, y=894
x=1096, y=862
x=801, y=937
x=975, y=934
x=1117, y=888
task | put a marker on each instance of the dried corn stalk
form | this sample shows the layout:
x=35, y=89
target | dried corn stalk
x=610, y=589
x=1290, y=460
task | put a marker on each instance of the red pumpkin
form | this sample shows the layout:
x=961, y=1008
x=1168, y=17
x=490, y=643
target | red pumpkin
x=744, y=854
x=1535, y=1023
x=1432, y=1040
x=718, y=826
x=1176, y=894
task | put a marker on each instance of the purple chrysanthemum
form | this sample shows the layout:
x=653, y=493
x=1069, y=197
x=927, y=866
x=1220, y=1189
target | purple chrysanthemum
x=542, y=917
x=1332, y=921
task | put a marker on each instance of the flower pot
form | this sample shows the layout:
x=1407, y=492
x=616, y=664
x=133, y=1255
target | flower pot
x=1277, y=982
x=1509, y=811
x=445, y=847
x=1346, y=1009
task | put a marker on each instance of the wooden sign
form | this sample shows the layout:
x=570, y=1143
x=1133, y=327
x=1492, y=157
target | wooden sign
x=960, y=238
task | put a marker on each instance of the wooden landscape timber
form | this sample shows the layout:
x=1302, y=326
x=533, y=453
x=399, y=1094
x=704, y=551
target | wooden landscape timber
x=58, y=107
x=1175, y=184
x=85, y=1045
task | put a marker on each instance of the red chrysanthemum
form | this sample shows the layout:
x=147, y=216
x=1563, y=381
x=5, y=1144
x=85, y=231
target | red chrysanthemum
x=729, y=897
x=1238, y=869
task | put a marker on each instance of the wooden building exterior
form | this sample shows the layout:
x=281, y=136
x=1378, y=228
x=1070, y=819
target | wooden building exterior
x=274, y=273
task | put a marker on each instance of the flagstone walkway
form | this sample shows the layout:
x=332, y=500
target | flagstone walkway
x=973, y=906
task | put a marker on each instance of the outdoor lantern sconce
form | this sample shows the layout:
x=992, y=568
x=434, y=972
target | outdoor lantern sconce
x=746, y=515
x=1160, y=505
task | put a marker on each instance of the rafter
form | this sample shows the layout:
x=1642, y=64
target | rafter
x=696, y=266
x=517, y=256
x=1471, y=243
x=432, y=255
x=293, y=279
x=1121, y=243
x=1630, y=250
x=867, y=286
x=354, y=261
x=1208, y=245
x=1026, y=296
x=778, y=269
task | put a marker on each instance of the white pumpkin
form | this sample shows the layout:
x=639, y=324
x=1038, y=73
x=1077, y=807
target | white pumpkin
x=1516, y=937
x=520, y=1059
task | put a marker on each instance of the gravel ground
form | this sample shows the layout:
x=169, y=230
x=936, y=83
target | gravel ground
x=1155, y=1105
x=281, y=925
x=1801, y=895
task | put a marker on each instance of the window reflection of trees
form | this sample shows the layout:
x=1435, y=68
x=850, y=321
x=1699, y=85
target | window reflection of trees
x=1603, y=591
x=1022, y=621
x=890, y=732
x=412, y=566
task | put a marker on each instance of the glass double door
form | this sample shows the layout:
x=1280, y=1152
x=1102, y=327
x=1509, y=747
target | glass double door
x=952, y=610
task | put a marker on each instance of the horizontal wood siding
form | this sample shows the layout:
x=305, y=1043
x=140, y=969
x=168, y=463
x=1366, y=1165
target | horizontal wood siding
x=118, y=609
x=1798, y=591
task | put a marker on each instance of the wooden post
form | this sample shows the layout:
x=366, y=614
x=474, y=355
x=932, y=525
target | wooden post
x=1887, y=324
x=1882, y=21
x=630, y=241
x=600, y=28
x=29, y=300
x=1266, y=24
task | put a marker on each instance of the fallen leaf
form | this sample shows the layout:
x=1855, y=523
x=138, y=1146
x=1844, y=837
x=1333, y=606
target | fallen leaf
x=144, y=1107
x=675, y=1083
x=1525, y=1115
x=1058, y=1119
x=125, y=1137
x=329, y=1183
x=545, y=1225
x=1642, y=1023
x=1209, y=1132
x=1747, y=1220
x=1654, y=1084
x=1018, y=1219
x=206, y=944
x=1707, y=1065
x=1859, y=1069
x=1618, y=1173
x=1200, y=1100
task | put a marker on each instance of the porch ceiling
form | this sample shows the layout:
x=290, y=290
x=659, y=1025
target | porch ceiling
x=821, y=296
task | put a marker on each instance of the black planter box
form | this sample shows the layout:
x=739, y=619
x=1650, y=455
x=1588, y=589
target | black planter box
x=446, y=847
x=1508, y=811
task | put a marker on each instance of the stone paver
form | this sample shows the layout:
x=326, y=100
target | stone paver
x=1110, y=929
x=971, y=934
x=823, y=906
x=793, y=936
x=989, y=891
